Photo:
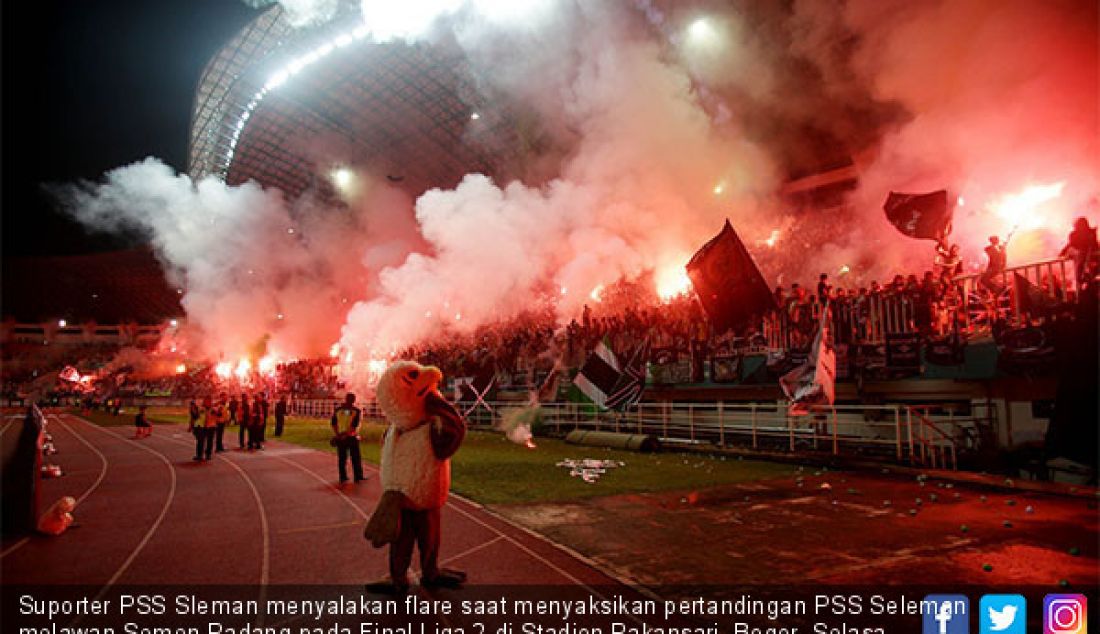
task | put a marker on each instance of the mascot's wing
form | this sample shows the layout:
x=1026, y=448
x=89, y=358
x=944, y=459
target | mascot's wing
x=449, y=435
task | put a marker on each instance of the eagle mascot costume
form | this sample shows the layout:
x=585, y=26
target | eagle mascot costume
x=424, y=432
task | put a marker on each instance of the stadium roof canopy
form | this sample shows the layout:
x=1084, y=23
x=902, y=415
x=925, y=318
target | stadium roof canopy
x=286, y=107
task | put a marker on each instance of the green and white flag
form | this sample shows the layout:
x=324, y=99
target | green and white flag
x=599, y=375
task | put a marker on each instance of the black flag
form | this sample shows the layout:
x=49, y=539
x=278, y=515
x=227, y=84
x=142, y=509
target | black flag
x=1029, y=299
x=628, y=390
x=925, y=216
x=727, y=282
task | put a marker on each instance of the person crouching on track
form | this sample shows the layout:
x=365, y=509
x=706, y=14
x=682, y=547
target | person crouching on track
x=345, y=429
x=141, y=422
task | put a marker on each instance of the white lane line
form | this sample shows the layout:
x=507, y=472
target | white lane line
x=160, y=517
x=354, y=506
x=102, y=473
x=501, y=535
x=265, y=530
x=470, y=551
x=323, y=527
x=102, y=458
x=14, y=547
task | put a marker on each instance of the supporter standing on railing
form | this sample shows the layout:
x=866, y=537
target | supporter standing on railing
x=823, y=288
x=996, y=264
x=1082, y=247
x=948, y=260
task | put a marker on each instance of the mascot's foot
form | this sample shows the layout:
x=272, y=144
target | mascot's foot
x=445, y=579
x=387, y=587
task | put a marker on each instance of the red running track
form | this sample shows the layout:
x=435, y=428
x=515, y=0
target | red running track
x=148, y=514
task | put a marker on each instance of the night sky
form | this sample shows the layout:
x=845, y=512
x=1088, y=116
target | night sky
x=90, y=85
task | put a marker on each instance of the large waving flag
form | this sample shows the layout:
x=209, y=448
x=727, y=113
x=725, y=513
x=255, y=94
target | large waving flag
x=727, y=282
x=628, y=391
x=599, y=375
x=924, y=216
x=814, y=382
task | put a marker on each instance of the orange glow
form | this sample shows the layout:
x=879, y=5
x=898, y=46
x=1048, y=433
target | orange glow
x=244, y=366
x=267, y=365
x=224, y=369
x=181, y=368
x=597, y=293
x=375, y=368
x=1021, y=209
x=773, y=238
x=672, y=282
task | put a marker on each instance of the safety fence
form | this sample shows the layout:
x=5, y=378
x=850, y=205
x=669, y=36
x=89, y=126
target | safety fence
x=929, y=435
x=986, y=298
x=867, y=320
x=977, y=301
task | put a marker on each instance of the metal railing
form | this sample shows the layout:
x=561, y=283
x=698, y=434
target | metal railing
x=866, y=320
x=930, y=435
x=1055, y=280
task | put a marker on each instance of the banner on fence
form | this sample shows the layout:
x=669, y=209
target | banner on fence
x=725, y=368
x=903, y=351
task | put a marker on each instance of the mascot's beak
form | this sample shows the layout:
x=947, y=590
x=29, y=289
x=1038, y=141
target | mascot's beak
x=434, y=403
x=428, y=381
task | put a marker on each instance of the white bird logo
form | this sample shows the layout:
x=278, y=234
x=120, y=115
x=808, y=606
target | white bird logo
x=1002, y=620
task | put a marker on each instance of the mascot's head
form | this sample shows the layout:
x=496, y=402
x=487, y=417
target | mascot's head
x=405, y=390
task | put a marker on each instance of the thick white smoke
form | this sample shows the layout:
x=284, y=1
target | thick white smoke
x=635, y=194
x=655, y=122
x=260, y=276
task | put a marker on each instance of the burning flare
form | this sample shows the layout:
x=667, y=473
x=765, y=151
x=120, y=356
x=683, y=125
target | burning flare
x=1021, y=209
x=672, y=282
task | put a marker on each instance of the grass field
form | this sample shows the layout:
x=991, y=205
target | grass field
x=492, y=470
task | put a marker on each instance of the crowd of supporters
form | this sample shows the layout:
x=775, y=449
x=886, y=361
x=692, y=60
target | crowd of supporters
x=526, y=348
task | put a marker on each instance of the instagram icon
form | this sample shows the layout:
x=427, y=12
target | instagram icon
x=1065, y=614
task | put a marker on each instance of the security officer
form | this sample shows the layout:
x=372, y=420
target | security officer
x=204, y=435
x=345, y=429
x=245, y=421
x=219, y=433
x=280, y=415
x=257, y=422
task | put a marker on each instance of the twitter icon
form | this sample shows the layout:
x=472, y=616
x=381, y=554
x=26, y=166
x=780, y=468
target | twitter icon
x=1002, y=614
